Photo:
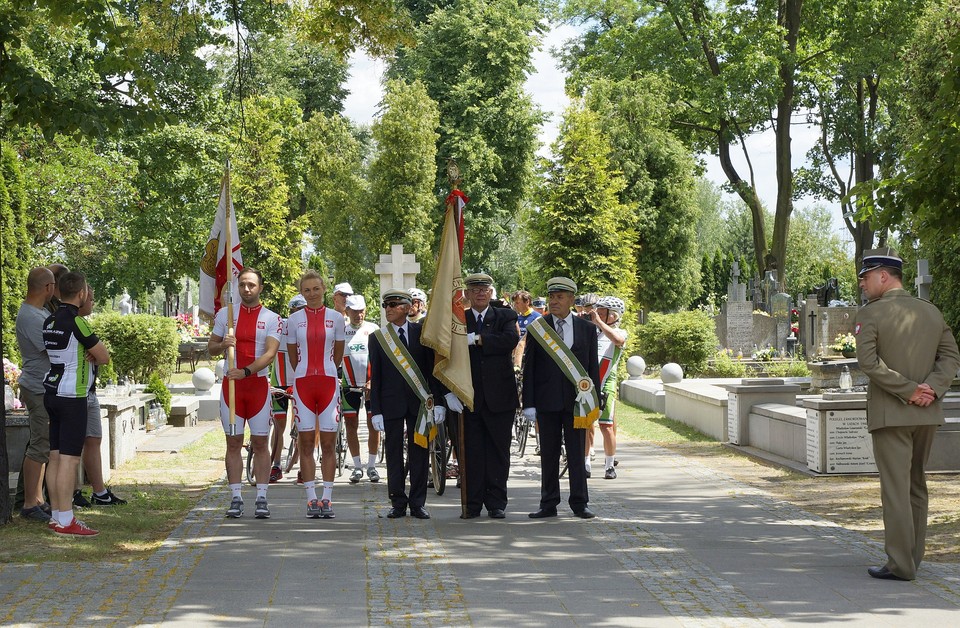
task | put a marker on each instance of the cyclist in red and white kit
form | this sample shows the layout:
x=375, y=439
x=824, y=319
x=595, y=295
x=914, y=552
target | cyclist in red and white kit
x=315, y=341
x=256, y=338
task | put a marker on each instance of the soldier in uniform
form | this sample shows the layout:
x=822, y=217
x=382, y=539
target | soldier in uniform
x=910, y=356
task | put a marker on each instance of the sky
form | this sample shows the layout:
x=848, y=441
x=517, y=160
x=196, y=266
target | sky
x=545, y=85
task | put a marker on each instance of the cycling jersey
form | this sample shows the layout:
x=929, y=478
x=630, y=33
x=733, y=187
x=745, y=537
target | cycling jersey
x=314, y=332
x=67, y=337
x=252, y=328
x=355, y=354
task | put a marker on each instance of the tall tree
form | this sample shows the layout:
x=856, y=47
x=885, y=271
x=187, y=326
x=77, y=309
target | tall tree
x=732, y=69
x=583, y=229
x=660, y=187
x=17, y=252
x=473, y=56
x=402, y=174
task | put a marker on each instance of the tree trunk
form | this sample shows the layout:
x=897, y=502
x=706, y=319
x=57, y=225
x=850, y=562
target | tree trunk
x=788, y=17
x=747, y=193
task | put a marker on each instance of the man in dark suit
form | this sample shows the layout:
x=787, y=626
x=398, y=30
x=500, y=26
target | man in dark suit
x=394, y=405
x=910, y=356
x=492, y=335
x=549, y=398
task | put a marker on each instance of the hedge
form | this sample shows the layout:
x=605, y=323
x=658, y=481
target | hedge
x=687, y=338
x=140, y=344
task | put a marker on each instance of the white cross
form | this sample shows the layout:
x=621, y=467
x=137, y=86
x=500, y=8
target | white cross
x=397, y=271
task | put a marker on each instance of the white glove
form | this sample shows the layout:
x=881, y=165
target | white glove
x=530, y=414
x=439, y=414
x=471, y=339
x=453, y=404
x=377, y=421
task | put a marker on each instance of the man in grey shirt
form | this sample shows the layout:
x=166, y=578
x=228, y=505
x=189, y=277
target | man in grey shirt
x=30, y=319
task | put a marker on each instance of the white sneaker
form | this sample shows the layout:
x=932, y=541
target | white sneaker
x=356, y=476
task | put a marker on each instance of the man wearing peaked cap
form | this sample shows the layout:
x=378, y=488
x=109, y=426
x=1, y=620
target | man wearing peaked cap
x=910, y=356
x=549, y=398
x=492, y=335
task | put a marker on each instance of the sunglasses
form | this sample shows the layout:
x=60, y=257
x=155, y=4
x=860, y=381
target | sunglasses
x=393, y=304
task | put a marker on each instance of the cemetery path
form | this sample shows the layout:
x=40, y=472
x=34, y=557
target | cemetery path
x=675, y=544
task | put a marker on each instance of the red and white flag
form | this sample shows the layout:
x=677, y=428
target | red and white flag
x=214, y=267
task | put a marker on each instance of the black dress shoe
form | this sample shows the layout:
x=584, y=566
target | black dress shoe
x=882, y=573
x=543, y=513
x=419, y=512
x=470, y=515
x=497, y=513
x=586, y=513
x=396, y=512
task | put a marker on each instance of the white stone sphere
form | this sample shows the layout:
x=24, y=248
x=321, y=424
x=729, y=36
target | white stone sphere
x=636, y=366
x=221, y=368
x=203, y=379
x=671, y=373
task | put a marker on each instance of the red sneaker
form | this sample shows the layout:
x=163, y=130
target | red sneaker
x=275, y=475
x=76, y=528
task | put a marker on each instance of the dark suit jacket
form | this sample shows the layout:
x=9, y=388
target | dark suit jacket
x=545, y=387
x=491, y=364
x=390, y=395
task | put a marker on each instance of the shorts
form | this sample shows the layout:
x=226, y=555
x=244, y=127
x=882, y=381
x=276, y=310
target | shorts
x=279, y=406
x=609, y=410
x=38, y=449
x=68, y=423
x=252, y=405
x=316, y=400
x=350, y=402
x=94, y=423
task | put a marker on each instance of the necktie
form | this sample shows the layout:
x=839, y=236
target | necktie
x=479, y=324
x=403, y=337
x=560, y=324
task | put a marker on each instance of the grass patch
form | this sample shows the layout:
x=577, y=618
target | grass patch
x=160, y=490
x=654, y=427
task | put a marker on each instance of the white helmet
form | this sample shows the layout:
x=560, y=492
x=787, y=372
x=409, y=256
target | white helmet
x=417, y=294
x=613, y=304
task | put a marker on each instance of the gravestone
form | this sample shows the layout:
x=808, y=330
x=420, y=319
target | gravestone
x=397, y=271
x=735, y=322
x=780, y=305
x=924, y=279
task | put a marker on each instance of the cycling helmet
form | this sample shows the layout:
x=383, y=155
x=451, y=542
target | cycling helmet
x=613, y=304
x=418, y=295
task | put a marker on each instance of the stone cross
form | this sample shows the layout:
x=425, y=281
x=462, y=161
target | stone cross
x=924, y=279
x=736, y=291
x=397, y=271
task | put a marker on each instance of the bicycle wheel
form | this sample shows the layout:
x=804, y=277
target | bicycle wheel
x=341, y=448
x=438, y=460
x=291, y=451
x=524, y=429
x=251, y=477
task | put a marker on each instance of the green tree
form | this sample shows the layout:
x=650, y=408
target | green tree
x=658, y=172
x=337, y=198
x=732, y=70
x=583, y=230
x=474, y=56
x=17, y=254
x=402, y=174
x=269, y=236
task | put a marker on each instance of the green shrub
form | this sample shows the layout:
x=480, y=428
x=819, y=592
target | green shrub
x=788, y=368
x=725, y=365
x=687, y=338
x=106, y=374
x=140, y=344
x=157, y=388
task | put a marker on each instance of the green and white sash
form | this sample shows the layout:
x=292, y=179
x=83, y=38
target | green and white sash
x=400, y=358
x=586, y=408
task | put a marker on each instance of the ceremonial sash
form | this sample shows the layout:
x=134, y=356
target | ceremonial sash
x=400, y=358
x=586, y=408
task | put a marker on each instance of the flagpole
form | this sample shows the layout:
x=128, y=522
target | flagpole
x=453, y=175
x=231, y=351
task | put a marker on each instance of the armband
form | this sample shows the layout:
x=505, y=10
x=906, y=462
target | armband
x=246, y=372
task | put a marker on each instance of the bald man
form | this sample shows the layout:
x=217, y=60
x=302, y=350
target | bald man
x=30, y=318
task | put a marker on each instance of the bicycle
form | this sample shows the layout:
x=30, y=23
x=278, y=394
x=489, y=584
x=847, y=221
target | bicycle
x=440, y=452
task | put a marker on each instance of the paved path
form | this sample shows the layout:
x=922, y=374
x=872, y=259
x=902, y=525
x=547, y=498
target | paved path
x=675, y=544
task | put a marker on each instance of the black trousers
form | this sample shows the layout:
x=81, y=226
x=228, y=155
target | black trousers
x=487, y=437
x=555, y=426
x=417, y=463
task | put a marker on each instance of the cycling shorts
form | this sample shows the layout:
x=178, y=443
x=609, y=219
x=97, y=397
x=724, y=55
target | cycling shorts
x=316, y=401
x=351, y=402
x=253, y=405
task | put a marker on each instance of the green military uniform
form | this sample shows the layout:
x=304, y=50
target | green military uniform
x=902, y=342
